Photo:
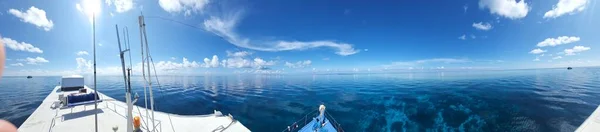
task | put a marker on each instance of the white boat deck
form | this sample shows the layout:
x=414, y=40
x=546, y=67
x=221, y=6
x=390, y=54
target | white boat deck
x=592, y=123
x=112, y=114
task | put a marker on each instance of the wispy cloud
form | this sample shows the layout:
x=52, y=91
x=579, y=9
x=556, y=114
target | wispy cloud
x=299, y=64
x=482, y=26
x=34, y=16
x=557, y=57
x=558, y=41
x=224, y=26
x=426, y=61
x=16, y=64
x=537, y=51
x=187, y=6
x=80, y=53
x=121, y=5
x=576, y=49
x=34, y=61
x=536, y=59
x=566, y=7
x=512, y=9
x=463, y=37
x=238, y=54
x=20, y=46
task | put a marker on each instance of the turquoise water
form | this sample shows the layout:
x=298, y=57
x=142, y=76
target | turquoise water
x=543, y=100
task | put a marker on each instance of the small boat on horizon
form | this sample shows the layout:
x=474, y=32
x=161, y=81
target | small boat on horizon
x=29, y=77
x=569, y=68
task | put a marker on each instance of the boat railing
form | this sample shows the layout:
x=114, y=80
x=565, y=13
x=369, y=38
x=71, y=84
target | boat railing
x=334, y=123
x=297, y=125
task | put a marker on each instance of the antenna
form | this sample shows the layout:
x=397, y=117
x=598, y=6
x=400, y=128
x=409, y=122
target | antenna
x=127, y=86
x=143, y=70
x=95, y=90
x=145, y=41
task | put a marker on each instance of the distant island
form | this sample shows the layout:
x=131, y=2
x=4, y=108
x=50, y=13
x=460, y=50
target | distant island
x=29, y=77
x=569, y=68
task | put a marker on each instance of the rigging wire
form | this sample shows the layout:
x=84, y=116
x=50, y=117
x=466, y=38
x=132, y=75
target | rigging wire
x=185, y=24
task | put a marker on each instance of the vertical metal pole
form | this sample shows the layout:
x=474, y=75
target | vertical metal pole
x=127, y=90
x=143, y=71
x=95, y=90
x=149, y=75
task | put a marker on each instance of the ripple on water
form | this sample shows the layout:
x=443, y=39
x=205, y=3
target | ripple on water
x=523, y=100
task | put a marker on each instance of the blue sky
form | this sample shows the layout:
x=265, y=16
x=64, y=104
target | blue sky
x=308, y=36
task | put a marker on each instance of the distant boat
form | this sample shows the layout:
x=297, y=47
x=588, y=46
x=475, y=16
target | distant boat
x=29, y=77
x=569, y=68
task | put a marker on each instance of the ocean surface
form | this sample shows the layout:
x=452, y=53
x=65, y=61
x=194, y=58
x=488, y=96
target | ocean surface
x=540, y=100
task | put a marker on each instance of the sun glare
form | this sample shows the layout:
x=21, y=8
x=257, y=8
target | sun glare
x=90, y=8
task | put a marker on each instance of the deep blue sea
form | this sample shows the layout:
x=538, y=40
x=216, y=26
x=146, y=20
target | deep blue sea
x=543, y=100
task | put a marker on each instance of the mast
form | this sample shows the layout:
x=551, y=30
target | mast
x=143, y=30
x=95, y=90
x=149, y=75
x=127, y=86
x=143, y=71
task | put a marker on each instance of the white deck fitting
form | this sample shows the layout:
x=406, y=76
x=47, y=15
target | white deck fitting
x=592, y=123
x=112, y=113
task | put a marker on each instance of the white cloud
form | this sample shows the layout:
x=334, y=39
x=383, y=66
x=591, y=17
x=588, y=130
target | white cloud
x=121, y=5
x=262, y=64
x=20, y=46
x=507, y=8
x=326, y=58
x=214, y=62
x=482, y=26
x=239, y=60
x=224, y=27
x=238, y=54
x=82, y=53
x=566, y=7
x=473, y=36
x=83, y=65
x=557, y=57
x=34, y=61
x=176, y=6
x=34, y=16
x=536, y=59
x=463, y=37
x=173, y=58
x=537, y=51
x=299, y=64
x=174, y=66
x=17, y=64
x=576, y=49
x=558, y=41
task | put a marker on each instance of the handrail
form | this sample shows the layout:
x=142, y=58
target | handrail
x=336, y=125
x=295, y=125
